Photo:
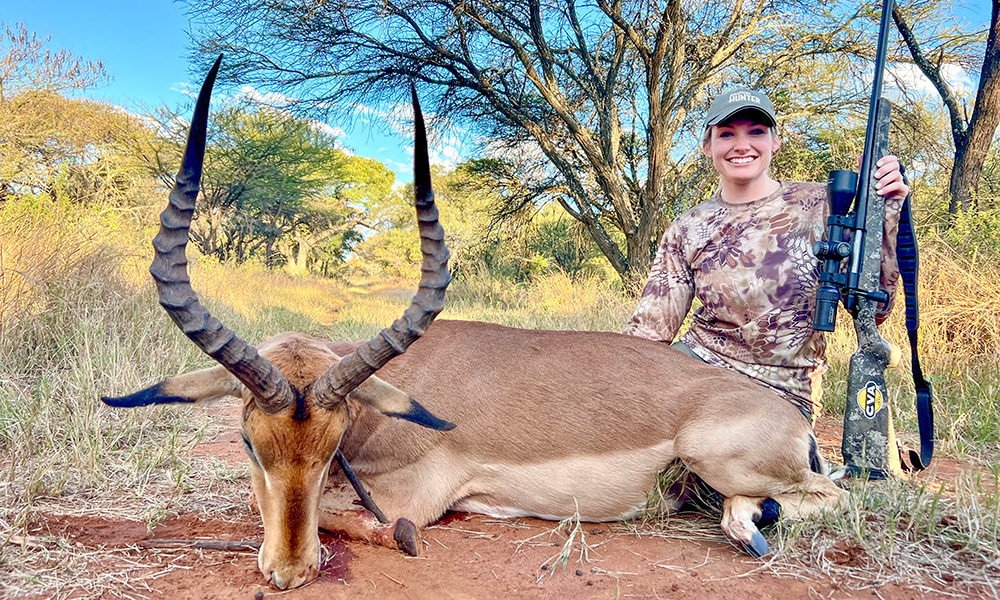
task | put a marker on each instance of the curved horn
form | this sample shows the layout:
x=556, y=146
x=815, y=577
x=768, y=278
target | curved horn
x=268, y=386
x=340, y=379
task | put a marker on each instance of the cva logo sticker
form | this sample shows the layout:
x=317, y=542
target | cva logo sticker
x=870, y=399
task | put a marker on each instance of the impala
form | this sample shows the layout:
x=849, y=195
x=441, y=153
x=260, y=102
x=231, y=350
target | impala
x=549, y=423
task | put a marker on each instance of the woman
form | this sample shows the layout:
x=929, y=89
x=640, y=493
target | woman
x=746, y=254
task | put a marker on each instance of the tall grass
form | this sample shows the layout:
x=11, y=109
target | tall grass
x=263, y=302
x=551, y=301
x=74, y=328
x=958, y=348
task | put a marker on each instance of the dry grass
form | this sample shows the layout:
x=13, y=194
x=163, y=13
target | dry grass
x=939, y=539
x=268, y=301
x=76, y=326
x=554, y=301
x=960, y=297
x=78, y=319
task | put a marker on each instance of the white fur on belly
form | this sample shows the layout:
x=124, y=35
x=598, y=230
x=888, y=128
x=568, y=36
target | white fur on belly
x=506, y=512
x=609, y=487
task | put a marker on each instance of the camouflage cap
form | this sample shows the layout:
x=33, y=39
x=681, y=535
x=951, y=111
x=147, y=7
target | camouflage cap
x=736, y=100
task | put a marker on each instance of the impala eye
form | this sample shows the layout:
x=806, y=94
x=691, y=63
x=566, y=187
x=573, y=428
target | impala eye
x=248, y=447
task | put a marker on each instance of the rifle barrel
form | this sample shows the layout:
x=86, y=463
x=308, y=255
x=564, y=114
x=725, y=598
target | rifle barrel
x=867, y=159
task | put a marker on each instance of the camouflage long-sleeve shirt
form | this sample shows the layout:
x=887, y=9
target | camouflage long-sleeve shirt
x=752, y=268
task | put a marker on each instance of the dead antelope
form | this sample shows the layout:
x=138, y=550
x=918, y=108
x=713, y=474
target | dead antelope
x=550, y=423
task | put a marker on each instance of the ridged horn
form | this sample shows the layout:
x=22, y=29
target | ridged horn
x=332, y=387
x=269, y=387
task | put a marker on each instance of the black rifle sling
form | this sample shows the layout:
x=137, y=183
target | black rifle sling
x=909, y=264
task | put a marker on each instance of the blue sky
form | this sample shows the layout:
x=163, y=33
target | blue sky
x=143, y=45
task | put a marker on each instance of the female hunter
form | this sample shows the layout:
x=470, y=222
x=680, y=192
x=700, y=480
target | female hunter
x=746, y=254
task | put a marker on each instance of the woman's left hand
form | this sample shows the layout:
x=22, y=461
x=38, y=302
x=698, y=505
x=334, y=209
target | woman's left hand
x=889, y=179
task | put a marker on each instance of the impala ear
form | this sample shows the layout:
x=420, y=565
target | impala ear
x=206, y=385
x=393, y=402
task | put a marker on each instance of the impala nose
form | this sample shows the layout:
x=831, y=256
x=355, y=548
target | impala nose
x=289, y=567
x=278, y=581
x=290, y=579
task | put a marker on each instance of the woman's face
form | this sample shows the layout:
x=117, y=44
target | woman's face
x=741, y=150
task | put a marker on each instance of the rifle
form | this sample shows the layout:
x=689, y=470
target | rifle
x=869, y=438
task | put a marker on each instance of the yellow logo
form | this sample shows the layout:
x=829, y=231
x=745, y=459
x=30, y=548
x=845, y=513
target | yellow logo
x=870, y=399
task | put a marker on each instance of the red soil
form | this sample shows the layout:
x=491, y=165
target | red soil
x=465, y=557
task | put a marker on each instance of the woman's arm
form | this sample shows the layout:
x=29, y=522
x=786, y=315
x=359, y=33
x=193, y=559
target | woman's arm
x=668, y=293
x=891, y=185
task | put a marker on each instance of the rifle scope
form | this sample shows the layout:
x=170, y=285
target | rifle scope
x=841, y=189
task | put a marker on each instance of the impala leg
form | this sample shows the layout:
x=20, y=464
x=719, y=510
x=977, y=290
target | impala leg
x=750, y=462
x=816, y=494
x=363, y=526
x=739, y=515
x=360, y=524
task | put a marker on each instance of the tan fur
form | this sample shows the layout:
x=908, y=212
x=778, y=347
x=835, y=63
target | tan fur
x=549, y=423
x=207, y=385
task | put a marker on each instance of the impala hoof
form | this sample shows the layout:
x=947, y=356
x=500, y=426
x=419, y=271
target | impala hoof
x=757, y=547
x=407, y=537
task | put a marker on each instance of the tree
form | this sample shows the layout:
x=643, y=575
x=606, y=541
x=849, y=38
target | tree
x=274, y=186
x=934, y=51
x=479, y=236
x=27, y=66
x=51, y=144
x=332, y=217
x=592, y=101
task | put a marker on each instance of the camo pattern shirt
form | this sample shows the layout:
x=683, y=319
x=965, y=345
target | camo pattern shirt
x=752, y=268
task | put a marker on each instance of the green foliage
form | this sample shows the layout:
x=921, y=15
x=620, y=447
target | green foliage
x=987, y=196
x=57, y=146
x=481, y=239
x=274, y=187
x=975, y=231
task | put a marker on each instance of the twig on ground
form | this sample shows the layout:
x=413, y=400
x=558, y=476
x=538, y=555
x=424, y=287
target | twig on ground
x=225, y=545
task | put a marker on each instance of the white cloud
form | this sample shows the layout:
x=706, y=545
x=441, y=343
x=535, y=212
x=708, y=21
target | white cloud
x=270, y=98
x=447, y=156
x=328, y=129
x=398, y=167
x=527, y=150
x=911, y=79
x=340, y=136
x=183, y=87
x=444, y=137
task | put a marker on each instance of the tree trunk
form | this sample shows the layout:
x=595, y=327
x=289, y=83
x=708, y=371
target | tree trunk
x=969, y=159
x=972, y=139
x=298, y=258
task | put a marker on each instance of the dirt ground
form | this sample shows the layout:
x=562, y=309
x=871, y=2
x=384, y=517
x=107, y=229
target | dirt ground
x=465, y=557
